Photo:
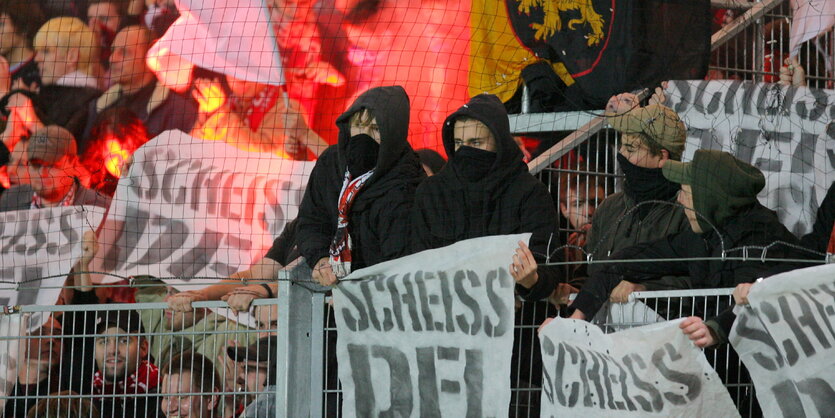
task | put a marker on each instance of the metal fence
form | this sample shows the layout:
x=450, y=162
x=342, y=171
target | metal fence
x=308, y=383
x=138, y=360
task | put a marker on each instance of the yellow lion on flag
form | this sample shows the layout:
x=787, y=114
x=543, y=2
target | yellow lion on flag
x=553, y=22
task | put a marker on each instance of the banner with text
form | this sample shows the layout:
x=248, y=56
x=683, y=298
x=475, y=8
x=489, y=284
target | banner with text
x=429, y=334
x=653, y=370
x=38, y=248
x=787, y=132
x=786, y=338
x=193, y=208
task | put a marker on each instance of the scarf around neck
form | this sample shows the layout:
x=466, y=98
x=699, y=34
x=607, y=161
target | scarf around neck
x=144, y=379
x=341, y=246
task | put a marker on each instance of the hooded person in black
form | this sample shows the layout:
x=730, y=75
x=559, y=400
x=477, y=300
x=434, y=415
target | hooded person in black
x=355, y=210
x=719, y=195
x=486, y=189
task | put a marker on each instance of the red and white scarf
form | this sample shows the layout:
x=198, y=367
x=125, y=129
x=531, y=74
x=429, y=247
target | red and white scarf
x=340, y=250
x=144, y=379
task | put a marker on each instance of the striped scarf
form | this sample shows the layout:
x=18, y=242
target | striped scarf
x=340, y=249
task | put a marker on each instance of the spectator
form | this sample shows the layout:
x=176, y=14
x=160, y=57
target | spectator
x=431, y=161
x=136, y=88
x=189, y=373
x=68, y=59
x=55, y=175
x=486, y=189
x=104, y=18
x=355, y=210
x=123, y=366
x=37, y=373
x=578, y=198
x=645, y=210
x=200, y=330
x=257, y=374
x=159, y=16
x=61, y=404
x=719, y=196
x=19, y=21
x=116, y=135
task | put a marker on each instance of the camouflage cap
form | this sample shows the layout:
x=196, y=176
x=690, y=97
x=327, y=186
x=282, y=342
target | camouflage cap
x=658, y=122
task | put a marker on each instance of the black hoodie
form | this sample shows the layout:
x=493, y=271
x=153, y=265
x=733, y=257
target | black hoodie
x=379, y=221
x=509, y=200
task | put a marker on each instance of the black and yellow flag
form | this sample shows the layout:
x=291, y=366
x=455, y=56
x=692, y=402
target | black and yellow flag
x=596, y=48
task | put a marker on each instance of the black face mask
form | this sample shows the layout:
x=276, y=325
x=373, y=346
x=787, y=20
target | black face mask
x=473, y=164
x=361, y=154
x=644, y=184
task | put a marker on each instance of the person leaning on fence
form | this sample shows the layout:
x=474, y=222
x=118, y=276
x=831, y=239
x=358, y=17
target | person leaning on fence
x=124, y=367
x=190, y=387
x=257, y=375
x=173, y=332
x=645, y=210
x=485, y=189
x=55, y=175
x=355, y=210
x=719, y=196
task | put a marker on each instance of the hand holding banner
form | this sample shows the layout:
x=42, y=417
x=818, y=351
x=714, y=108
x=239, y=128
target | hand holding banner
x=786, y=338
x=653, y=370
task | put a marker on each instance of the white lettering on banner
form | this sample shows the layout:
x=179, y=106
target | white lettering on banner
x=786, y=338
x=787, y=132
x=429, y=335
x=194, y=208
x=653, y=370
x=38, y=248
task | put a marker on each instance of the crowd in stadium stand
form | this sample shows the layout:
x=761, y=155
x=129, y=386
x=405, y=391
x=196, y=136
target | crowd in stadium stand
x=78, y=98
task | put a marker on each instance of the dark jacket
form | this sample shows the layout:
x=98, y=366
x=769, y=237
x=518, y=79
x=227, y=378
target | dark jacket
x=724, y=193
x=20, y=198
x=617, y=225
x=509, y=200
x=379, y=218
x=284, y=249
x=755, y=226
x=818, y=239
x=159, y=109
x=68, y=107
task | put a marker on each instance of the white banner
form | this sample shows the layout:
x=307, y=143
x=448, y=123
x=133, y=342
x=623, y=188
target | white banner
x=38, y=248
x=786, y=338
x=194, y=208
x=653, y=370
x=429, y=334
x=787, y=132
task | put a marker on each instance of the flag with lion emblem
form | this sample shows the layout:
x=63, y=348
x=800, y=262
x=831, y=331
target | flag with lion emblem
x=595, y=48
